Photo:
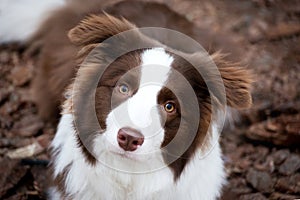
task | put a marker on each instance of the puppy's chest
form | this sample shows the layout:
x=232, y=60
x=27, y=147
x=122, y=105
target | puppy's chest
x=111, y=184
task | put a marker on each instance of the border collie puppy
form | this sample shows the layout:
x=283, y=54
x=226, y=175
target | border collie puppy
x=135, y=124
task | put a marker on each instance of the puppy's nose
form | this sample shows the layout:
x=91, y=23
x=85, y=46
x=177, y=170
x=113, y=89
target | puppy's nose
x=129, y=139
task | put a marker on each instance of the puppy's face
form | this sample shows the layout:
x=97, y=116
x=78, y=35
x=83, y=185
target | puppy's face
x=152, y=105
x=132, y=117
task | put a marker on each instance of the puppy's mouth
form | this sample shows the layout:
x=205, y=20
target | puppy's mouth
x=128, y=155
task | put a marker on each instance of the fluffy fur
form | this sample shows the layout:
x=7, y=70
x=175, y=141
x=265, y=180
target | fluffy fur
x=202, y=179
x=180, y=157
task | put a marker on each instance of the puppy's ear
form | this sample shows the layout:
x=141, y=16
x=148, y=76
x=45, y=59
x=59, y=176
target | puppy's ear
x=96, y=28
x=237, y=82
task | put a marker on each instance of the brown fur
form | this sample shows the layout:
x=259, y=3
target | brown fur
x=208, y=88
x=152, y=14
x=56, y=60
x=91, y=32
x=95, y=29
x=237, y=81
x=85, y=90
x=107, y=95
x=58, y=65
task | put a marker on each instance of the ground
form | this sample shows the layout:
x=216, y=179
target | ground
x=260, y=145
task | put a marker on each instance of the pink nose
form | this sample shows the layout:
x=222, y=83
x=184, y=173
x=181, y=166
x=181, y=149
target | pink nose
x=129, y=139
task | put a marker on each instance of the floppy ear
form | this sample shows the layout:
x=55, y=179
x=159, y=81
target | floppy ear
x=237, y=82
x=96, y=28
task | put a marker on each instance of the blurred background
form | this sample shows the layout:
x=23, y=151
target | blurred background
x=261, y=145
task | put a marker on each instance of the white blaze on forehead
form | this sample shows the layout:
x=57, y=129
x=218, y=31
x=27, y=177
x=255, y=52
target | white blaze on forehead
x=156, y=64
x=155, y=67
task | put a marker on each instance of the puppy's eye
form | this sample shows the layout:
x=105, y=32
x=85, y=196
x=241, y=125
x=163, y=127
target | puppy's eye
x=123, y=89
x=169, y=107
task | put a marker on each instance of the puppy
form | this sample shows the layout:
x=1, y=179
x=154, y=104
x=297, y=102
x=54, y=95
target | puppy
x=136, y=123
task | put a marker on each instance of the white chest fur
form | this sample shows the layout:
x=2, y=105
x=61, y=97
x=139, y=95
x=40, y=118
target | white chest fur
x=202, y=178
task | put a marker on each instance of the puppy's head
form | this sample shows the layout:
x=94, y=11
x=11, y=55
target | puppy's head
x=150, y=106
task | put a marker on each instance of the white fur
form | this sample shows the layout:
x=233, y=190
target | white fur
x=201, y=179
x=65, y=144
x=156, y=65
x=20, y=19
x=140, y=112
x=53, y=194
x=141, y=174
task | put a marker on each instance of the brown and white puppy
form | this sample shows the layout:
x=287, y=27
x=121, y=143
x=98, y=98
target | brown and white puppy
x=140, y=125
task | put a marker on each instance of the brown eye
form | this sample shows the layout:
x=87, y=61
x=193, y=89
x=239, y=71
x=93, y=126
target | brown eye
x=124, y=89
x=169, y=107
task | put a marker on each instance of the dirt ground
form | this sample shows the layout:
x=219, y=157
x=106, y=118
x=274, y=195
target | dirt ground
x=260, y=145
